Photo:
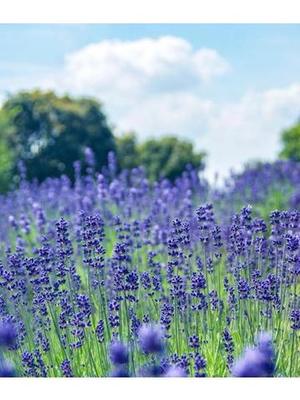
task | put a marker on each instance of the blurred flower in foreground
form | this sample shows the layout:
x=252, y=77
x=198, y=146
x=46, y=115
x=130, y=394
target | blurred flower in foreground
x=120, y=372
x=151, y=338
x=118, y=353
x=175, y=372
x=8, y=334
x=7, y=370
x=119, y=357
x=257, y=361
x=8, y=337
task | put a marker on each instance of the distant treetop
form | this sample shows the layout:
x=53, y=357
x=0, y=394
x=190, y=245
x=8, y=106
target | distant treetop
x=290, y=139
x=49, y=132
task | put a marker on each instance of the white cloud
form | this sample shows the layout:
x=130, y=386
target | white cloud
x=180, y=113
x=208, y=63
x=250, y=128
x=148, y=85
x=116, y=69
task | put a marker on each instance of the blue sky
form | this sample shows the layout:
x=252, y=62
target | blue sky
x=230, y=89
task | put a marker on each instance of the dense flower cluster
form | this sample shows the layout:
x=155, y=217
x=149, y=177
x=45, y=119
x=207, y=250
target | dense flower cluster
x=273, y=184
x=117, y=276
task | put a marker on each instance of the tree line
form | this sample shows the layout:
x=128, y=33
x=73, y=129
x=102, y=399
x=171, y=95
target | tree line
x=48, y=133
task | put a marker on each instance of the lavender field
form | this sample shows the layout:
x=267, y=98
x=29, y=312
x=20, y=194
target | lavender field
x=120, y=276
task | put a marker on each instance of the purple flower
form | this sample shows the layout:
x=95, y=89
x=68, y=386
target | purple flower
x=175, y=372
x=29, y=364
x=295, y=319
x=229, y=347
x=66, y=369
x=257, y=361
x=120, y=372
x=151, y=338
x=100, y=331
x=7, y=370
x=200, y=365
x=264, y=344
x=151, y=371
x=89, y=156
x=194, y=342
x=118, y=353
x=8, y=334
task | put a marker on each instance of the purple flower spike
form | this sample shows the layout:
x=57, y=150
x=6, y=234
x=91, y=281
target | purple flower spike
x=66, y=369
x=151, y=338
x=118, y=353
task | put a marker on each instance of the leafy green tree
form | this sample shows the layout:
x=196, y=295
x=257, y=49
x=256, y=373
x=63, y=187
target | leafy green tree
x=165, y=157
x=291, y=143
x=49, y=132
x=127, y=151
x=6, y=156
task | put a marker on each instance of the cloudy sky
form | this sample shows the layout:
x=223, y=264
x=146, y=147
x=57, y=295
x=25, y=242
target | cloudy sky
x=230, y=89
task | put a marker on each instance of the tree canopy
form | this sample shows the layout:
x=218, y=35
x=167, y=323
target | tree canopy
x=164, y=157
x=290, y=139
x=49, y=132
x=127, y=151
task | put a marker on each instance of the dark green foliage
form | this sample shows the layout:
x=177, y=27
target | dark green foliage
x=291, y=143
x=127, y=151
x=166, y=157
x=49, y=132
x=6, y=155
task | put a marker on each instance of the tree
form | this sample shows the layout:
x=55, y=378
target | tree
x=166, y=157
x=290, y=139
x=127, y=151
x=49, y=132
x=6, y=157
